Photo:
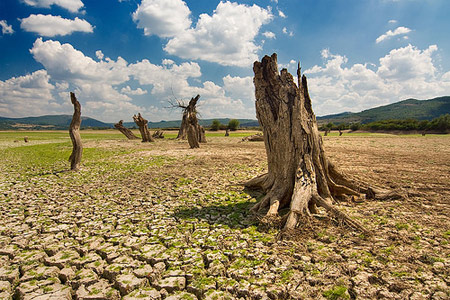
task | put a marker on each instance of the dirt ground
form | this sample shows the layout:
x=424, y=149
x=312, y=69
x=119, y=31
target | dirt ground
x=160, y=220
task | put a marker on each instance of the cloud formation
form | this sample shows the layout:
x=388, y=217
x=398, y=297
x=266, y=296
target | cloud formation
x=104, y=87
x=27, y=95
x=164, y=18
x=71, y=5
x=226, y=37
x=6, y=29
x=389, y=34
x=50, y=26
x=403, y=73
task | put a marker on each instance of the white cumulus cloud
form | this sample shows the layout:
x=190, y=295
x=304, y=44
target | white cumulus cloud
x=164, y=18
x=129, y=91
x=48, y=25
x=269, y=34
x=403, y=73
x=71, y=5
x=104, y=86
x=226, y=37
x=28, y=95
x=398, y=31
x=6, y=29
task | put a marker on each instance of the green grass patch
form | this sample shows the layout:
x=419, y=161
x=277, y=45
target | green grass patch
x=337, y=292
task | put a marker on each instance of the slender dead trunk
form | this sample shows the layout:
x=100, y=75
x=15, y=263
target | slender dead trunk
x=299, y=176
x=74, y=132
x=182, y=132
x=201, y=134
x=127, y=132
x=143, y=128
x=227, y=132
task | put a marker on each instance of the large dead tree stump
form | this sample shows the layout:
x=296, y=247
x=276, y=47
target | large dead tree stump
x=299, y=174
x=127, y=132
x=143, y=128
x=74, y=132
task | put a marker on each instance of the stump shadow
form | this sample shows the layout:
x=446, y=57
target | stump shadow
x=236, y=215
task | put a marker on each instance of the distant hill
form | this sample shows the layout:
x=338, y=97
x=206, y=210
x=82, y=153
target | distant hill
x=406, y=109
x=49, y=122
x=203, y=122
x=62, y=122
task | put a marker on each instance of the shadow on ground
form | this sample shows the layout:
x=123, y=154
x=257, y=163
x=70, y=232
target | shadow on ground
x=235, y=215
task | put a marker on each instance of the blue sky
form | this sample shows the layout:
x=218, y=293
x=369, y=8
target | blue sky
x=127, y=56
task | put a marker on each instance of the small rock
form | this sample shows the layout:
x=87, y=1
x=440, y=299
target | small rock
x=439, y=296
x=172, y=284
x=5, y=286
x=182, y=296
x=150, y=294
x=62, y=258
x=418, y=296
x=84, y=277
x=128, y=282
x=10, y=274
x=144, y=271
x=66, y=274
x=42, y=272
x=438, y=267
x=100, y=290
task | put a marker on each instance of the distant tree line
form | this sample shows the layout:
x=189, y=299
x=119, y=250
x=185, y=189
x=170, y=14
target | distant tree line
x=440, y=124
x=233, y=125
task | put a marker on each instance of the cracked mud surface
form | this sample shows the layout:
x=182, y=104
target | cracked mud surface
x=162, y=221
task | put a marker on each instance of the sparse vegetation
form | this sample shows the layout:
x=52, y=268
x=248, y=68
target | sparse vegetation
x=133, y=205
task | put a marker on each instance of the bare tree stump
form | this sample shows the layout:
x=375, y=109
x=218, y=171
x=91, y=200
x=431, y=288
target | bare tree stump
x=182, y=132
x=143, y=128
x=254, y=138
x=74, y=132
x=25, y=139
x=299, y=174
x=201, y=134
x=158, y=134
x=190, y=128
x=127, y=132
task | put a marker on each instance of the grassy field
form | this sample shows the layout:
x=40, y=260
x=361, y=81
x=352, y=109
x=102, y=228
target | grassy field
x=159, y=220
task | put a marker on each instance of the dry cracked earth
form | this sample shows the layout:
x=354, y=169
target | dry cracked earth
x=162, y=221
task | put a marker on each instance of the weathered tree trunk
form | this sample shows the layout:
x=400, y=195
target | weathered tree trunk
x=127, y=132
x=25, y=139
x=201, y=134
x=253, y=138
x=158, y=134
x=340, y=132
x=326, y=132
x=227, y=132
x=182, y=132
x=143, y=128
x=74, y=132
x=299, y=174
x=189, y=125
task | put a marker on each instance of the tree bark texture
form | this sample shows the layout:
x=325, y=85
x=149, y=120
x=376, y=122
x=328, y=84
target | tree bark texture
x=143, y=128
x=127, y=132
x=158, y=134
x=299, y=174
x=190, y=128
x=74, y=132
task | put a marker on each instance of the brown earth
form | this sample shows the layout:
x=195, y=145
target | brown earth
x=166, y=221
